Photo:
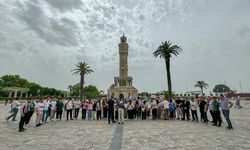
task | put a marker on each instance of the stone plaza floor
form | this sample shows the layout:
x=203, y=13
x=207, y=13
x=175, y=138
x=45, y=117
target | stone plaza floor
x=134, y=135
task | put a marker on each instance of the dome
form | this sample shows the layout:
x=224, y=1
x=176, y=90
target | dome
x=123, y=39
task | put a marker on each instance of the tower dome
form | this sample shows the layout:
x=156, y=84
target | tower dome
x=123, y=39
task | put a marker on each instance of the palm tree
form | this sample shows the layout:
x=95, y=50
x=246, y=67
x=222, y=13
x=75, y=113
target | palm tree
x=202, y=85
x=166, y=50
x=82, y=69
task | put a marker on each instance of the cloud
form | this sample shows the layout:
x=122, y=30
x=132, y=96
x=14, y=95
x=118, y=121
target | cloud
x=60, y=32
x=51, y=36
x=65, y=5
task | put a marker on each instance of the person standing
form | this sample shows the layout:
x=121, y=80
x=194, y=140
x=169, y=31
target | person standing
x=90, y=110
x=216, y=113
x=94, y=110
x=39, y=112
x=210, y=108
x=59, y=109
x=77, y=107
x=105, y=109
x=45, y=111
x=178, y=109
x=165, y=109
x=121, y=108
x=84, y=109
x=171, y=108
x=23, y=112
x=194, y=106
x=202, y=106
x=69, y=107
x=31, y=109
x=14, y=110
x=98, y=110
x=186, y=109
x=225, y=106
x=111, y=110
x=154, y=110
x=52, y=109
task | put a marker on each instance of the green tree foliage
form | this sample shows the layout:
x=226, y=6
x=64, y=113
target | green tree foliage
x=166, y=51
x=221, y=88
x=202, y=85
x=91, y=92
x=35, y=89
x=14, y=81
x=82, y=69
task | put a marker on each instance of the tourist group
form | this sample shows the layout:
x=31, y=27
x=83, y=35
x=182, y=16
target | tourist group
x=114, y=110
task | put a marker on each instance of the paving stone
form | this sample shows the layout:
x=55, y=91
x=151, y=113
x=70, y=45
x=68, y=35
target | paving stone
x=136, y=134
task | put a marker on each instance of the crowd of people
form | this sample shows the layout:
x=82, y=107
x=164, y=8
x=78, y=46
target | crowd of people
x=114, y=110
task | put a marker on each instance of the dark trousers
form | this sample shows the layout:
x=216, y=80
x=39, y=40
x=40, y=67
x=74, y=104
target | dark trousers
x=76, y=112
x=131, y=114
x=99, y=114
x=203, y=116
x=105, y=112
x=84, y=114
x=111, y=115
x=226, y=115
x=194, y=115
x=186, y=114
x=154, y=113
x=22, y=121
x=217, y=119
x=213, y=115
x=28, y=116
x=69, y=112
x=59, y=115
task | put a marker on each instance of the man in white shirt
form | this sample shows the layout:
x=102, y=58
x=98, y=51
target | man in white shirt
x=46, y=110
x=194, y=106
x=39, y=112
x=53, y=109
x=165, y=109
x=77, y=104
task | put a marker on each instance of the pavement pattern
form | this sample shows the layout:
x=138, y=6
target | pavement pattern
x=133, y=135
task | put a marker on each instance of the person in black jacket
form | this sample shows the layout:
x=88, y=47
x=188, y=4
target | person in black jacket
x=111, y=110
x=186, y=107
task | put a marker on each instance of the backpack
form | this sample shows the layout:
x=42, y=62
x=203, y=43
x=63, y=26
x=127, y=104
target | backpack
x=171, y=106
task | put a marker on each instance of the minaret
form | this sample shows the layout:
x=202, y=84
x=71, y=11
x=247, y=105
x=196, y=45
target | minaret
x=123, y=52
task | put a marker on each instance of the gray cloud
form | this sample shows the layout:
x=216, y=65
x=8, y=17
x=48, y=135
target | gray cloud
x=65, y=5
x=51, y=36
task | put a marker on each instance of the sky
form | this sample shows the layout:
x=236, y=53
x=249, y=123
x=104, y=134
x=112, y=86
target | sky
x=42, y=40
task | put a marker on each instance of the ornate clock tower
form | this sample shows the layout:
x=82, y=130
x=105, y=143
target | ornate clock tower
x=123, y=87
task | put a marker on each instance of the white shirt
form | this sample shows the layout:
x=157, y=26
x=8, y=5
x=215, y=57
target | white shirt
x=46, y=105
x=69, y=105
x=77, y=104
x=53, y=105
x=40, y=106
x=193, y=105
x=165, y=104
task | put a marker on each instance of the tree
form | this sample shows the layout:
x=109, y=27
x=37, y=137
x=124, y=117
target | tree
x=166, y=50
x=221, y=88
x=202, y=85
x=70, y=88
x=82, y=69
x=14, y=81
x=91, y=92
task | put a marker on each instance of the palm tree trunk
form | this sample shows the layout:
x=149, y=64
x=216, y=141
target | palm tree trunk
x=167, y=61
x=202, y=91
x=81, y=86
